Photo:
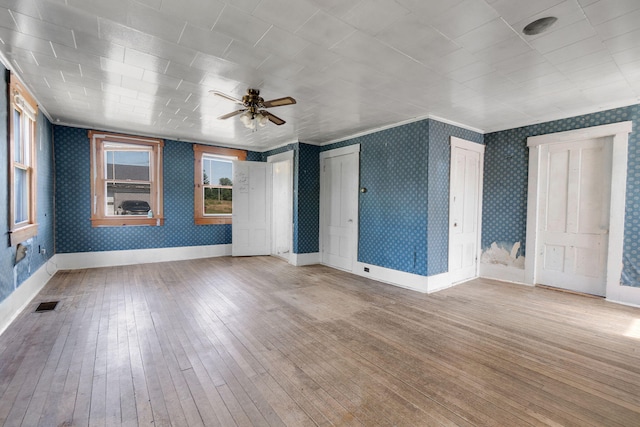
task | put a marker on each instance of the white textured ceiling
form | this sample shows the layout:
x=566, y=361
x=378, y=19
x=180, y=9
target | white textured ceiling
x=147, y=66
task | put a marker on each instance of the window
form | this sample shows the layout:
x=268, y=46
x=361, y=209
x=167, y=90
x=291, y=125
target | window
x=22, y=133
x=126, y=180
x=214, y=183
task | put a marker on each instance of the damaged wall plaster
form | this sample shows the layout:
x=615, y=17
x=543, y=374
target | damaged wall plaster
x=503, y=253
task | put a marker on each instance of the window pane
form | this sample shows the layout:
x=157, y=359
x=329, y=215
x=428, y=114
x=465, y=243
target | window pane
x=26, y=136
x=219, y=171
x=21, y=195
x=17, y=133
x=217, y=201
x=128, y=165
x=128, y=199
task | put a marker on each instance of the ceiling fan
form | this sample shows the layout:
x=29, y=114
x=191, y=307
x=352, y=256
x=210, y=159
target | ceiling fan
x=253, y=111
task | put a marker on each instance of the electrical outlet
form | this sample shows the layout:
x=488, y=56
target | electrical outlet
x=43, y=251
x=366, y=269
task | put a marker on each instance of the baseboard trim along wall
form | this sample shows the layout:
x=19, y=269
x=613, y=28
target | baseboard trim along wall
x=415, y=282
x=11, y=306
x=78, y=260
x=503, y=273
x=299, y=260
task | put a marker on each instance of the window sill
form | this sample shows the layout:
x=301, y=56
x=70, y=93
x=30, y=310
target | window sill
x=213, y=220
x=120, y=222
x=21, y=234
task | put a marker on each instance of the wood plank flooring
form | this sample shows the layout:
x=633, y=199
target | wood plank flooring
x=256, y=342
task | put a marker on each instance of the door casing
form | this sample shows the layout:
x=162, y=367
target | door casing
x=461, y=144
x=619, y=133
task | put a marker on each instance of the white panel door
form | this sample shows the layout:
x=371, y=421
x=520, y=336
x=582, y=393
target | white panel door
x=282, y=219
x=339, y=210
x=464, y=211
x=251, y=229
x=574, y=215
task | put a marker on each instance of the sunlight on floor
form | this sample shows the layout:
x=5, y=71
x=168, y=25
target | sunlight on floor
x=634, y=329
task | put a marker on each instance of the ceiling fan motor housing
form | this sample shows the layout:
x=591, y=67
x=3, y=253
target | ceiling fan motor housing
x=252, y=98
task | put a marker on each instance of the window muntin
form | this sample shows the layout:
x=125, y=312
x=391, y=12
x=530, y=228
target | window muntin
x=126, y=180
x=22, y=129
x=213, y=183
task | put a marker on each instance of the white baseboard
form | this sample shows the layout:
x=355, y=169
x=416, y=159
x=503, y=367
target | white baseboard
x=627, y=295
x=305, y=259
x=79, y=260
x=12, y=305
x=415, y=282
x=503, y=273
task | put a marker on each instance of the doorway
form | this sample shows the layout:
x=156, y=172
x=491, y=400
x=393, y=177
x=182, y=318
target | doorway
x=339, y=179
x=282, y=205
x=575, y=209
x=465, y=208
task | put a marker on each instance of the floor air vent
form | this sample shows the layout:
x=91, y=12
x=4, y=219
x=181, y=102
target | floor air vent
x=46, y=306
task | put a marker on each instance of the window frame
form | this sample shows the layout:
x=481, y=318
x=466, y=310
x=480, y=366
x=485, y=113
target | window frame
x=21, y=100
x=155, y=146
x=199, y=152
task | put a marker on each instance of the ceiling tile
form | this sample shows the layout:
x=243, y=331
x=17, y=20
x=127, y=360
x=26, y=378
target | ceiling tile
x=210, y=42
x=372, y=15
x=576, y=50
x=336, y=8
x=463, y=18
x=282, y=15
x=565, y=36
x=620, y=25
x=43, y=30
x=485, y=35
x=324, y=30
x=623, y=42
x=240, y=25
x=65, y=16
x=145, y=61
x=514, y=11
x=605, y=10
x=153, y=22
x=282, y=43
x=245, y=55
x=201, y=13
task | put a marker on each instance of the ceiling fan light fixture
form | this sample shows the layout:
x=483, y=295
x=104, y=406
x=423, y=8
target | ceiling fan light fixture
x=539, y=26
x=262, y=119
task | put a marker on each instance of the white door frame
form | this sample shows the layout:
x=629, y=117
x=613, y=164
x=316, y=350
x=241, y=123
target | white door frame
x=479, y=148
x=350, y=149
x=283, y=157
x=619, y=137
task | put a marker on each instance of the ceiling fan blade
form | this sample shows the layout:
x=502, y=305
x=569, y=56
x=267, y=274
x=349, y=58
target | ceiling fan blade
x=235, y=113
x=225, y=96
x=273, y=119
x=287, y=100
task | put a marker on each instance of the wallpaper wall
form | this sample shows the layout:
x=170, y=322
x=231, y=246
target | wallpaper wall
x=404, y=216
x=12, y=276
x=505, y=183
x=73, y=226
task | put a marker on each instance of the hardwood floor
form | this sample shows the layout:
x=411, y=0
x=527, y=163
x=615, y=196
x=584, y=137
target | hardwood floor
x=254, y=341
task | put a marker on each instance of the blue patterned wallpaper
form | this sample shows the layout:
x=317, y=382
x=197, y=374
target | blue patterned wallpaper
x=505, y=183
x=73, y=225
x=404, y=216
x=306, y=216
x=44, y=183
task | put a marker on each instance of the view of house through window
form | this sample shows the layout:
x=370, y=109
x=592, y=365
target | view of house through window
x=126, y=176
x=128, y=183
x=217, y=178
